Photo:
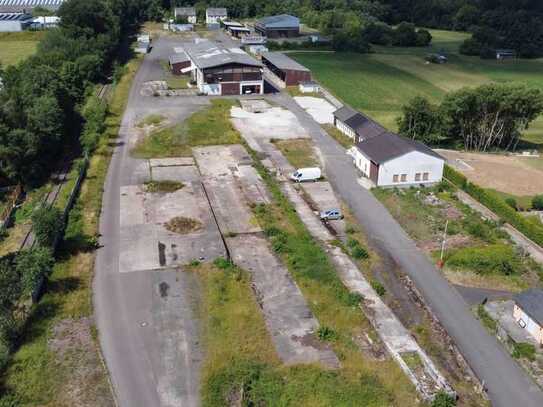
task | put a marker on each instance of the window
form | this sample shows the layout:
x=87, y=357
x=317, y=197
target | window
x=395, y=178
x=404, y=177
x=425, y=176
x=417, y=176
x=522, y=323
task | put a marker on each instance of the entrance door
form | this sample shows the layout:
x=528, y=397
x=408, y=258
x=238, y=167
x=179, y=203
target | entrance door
x=230, y=88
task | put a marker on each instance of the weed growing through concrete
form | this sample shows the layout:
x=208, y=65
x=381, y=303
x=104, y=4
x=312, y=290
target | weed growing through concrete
x=183, y=225
x=163, y=186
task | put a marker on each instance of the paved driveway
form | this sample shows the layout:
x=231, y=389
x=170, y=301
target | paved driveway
x=507, y=384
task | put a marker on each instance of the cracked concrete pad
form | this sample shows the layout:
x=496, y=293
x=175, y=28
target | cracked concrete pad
x=171, y=162
x=141, y=174
x=138, y=249
x=220, y=161
x=184, y=174
x=287, y=315
x=252, y=185
x=132, y=205
x=322, y=194
x=273, y=123
x=320, y=109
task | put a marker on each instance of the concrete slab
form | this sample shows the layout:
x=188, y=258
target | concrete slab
x=141, y=173
x=502, y=312
x=132, y=205
x=320, y=109
x=171, y=161
x=184, y=174
x=220, y=161
x=252, y=185
x=322, y=194
x=138, y=248
x=275, y=123
x=254, y=105
x=288, y=317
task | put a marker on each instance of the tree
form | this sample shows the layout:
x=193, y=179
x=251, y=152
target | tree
x=33, y=266
x=421, y=121
x=405, y=35
x=424, y=38
x=537, y=202
x=47, y=225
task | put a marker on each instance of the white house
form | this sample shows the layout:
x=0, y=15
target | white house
x=528, y=312
x=389, y=160
x=44, y=22
x=216, y=15
x=14, y=22
x=188, y=13
x=219, y=70
x=356, y=125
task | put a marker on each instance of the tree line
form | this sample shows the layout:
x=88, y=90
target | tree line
x=517, y=25
x=480, y=119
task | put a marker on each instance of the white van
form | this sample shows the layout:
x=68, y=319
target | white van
x=306, y=174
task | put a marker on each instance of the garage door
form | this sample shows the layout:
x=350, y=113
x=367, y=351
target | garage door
x=230, y=88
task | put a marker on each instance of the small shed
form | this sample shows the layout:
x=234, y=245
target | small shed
x=309, y=87
x=14, y=22
x=502, y=54
x=144, y=37
x=238, y=32
x=179, y=63
x=285, y=68
x=256, y=49
x=188, y=13
x=528, y=312
x=142, y=47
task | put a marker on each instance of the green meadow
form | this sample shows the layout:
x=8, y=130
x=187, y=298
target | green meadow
x=381, y=82
x=14, y=47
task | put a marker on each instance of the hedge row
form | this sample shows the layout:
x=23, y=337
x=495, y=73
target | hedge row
x=496, y=204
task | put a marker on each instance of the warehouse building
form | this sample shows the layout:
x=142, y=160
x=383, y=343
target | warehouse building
x=356, y=125
x=281, y=26
x=26, y=6
x=14, y=22
x=218, y=70
x=179, y=63
x=290, y=72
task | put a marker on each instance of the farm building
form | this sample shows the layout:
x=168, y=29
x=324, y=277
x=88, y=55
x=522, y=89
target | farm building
x=45, y=22
x=13, y=22
x=390, y=160
x=528, y=312
x=218, y=70
x=188, y=13
x=26, y=6
x=238, y=32
x=309, y=87
x=226, y=24
x=285, y=68
x=281, y=26
x=256, y=49
x=215, y=15
x=356, y=125
x=179, y=63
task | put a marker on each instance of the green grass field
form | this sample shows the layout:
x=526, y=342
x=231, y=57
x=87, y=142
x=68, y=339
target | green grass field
x=381, y=82
x=14, y=47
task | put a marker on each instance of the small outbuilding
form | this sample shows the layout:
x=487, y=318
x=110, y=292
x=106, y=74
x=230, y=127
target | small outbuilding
x=389, y=160
x=14, y=22
x=179, y=63
x=356, y=125
x=142, y=47
x=45, y=22
x=188, y=13
x=280, y=26
x=309, y=87
x=286, y=69
x=216, y=15
x=502, y=54
x=528, y=312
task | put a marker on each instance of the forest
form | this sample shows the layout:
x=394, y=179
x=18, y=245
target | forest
x=511, y=24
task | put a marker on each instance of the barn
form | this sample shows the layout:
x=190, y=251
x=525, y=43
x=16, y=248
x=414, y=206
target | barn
x=356, y=125
x=13, y=22
x=185, y=13
x=179, y=63
x=528, y=312
x=216, y=15
x=238, y=32
x=218, y=70
x=290, y=72
x=389, y=160
x=280, y=26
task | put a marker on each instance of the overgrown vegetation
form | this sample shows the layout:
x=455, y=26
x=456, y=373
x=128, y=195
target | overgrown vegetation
x=165, y=186
x=183, y=225
x=524, y=350
x=210, y=126
x=299, y=152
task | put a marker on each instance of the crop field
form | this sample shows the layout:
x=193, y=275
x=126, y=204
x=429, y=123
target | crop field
x=15, y=47
x=381, y=82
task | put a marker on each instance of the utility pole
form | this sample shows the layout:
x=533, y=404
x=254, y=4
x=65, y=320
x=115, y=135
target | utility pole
x=440, y=263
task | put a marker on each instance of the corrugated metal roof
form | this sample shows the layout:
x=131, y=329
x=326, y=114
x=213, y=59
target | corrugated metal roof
x=185, y=11
x=388, y=146
x=282, y=61
x=279, y=21
x=531, y=302
x=361, y=124
x=207, y=54
x=7, y=6
x=179, y=57
x=15, y=17
x=216, y=11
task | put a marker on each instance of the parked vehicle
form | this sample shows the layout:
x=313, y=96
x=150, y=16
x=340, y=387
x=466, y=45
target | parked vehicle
x=306, y=174
x=331, y=214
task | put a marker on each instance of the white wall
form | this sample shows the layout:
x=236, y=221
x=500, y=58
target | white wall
x=531, y=326
x=361, y=162
x=10, y=26
x=214, y=19
x=345, y=129
x=411, y=164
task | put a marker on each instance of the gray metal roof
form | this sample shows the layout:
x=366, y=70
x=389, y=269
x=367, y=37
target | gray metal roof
x=15, y=17
x=179, y=57
x=388, y=146
x=207, y=54
x=281, y=61
x=531, y=302
x=19, y=5
x=221, y=11
x=361, y=124
x=232, y=24
x=279, y=21
x=185, y=11
x=345, y=112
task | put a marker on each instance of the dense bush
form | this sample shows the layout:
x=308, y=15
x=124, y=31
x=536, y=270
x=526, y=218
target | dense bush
x=47, y=224
x=378, y=287
x=523, y=350
x=537, y=202
x=443, y=399
x=497, y=258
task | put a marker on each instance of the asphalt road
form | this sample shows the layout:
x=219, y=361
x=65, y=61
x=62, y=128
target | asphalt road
x=149, y=340
x=507, y=384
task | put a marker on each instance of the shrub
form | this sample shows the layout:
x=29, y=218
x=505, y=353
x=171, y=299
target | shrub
x=443, y=399
x=354, y=299
x=33, y=266
x=524, y=350
x=325, y=333
x=47, y=225
x=486, y=319
x=378, y=287
x=360, y=253
x=512, y=202
x=537, y=202
x=497, y=258
x=222, y=263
